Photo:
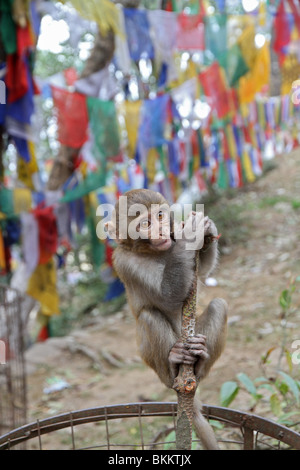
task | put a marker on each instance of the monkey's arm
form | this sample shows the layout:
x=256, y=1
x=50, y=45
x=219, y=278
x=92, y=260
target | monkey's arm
x=209, y=252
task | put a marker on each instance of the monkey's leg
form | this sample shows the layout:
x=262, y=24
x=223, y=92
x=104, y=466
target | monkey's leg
x=212, y=324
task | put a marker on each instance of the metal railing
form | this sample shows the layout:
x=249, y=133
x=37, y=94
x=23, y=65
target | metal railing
x=235, y=430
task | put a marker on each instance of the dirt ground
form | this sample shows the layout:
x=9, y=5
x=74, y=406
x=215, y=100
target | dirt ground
x=100, y=363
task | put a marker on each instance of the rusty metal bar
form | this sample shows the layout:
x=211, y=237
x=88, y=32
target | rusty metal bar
x=248, y=422
x=248, y=439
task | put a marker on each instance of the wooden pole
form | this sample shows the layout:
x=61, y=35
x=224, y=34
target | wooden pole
x=185, y=383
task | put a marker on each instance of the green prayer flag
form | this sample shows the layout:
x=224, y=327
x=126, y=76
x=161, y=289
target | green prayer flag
x=222, y=176
x=7, y=202
x=8, y=27
x=97, y=246
x=216, y=38
x=104, y=127
x=92, y=182
x=236, y=66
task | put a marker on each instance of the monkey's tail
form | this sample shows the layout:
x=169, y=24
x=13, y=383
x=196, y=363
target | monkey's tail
x=203, y=429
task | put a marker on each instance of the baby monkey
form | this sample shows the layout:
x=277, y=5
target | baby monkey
x=155, y=259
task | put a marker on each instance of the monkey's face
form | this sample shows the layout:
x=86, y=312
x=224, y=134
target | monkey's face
x=142, y=221
x=154, y=226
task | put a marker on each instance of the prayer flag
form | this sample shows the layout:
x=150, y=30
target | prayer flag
x=72, y=117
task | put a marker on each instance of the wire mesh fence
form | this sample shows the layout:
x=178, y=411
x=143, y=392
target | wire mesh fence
x=147, y=426
x=13, y=319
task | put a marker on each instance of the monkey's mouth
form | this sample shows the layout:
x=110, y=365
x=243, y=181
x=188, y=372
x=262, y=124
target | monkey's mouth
x=163, y=244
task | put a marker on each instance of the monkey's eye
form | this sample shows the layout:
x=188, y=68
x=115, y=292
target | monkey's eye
x=161, y=215
x=145, y=224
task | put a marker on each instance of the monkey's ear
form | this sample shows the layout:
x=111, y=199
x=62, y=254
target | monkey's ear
x=111, y=229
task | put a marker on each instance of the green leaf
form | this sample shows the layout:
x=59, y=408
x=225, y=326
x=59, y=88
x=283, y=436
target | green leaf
x=268, y=387
x=290, y=382
x=285, y=299
x=216, y=424
x=248, y=384
x=282, y=387
x=284, y=418
x=275, y=404
x=289, y=361
x=228, y=392
x=260, y=380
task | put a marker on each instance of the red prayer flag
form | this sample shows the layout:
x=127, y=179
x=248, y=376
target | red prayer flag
x=190, y=32
x=48, y=236
x=214, y=88
x=72, y=117
x=282, y=32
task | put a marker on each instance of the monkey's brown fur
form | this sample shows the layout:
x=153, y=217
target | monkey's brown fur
x=157, y=284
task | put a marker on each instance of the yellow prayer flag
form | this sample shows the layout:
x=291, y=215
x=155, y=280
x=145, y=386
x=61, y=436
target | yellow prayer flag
x=42, y=287
x=261, y=70
x=247, y=45
x=103, y=12
x=231, y=141
x=151, y=164
x=290, y=72
x=27, y=169
x=246, y=162
x=262, y=13
x=132, y=122
x=22, y=200
x=258, y=77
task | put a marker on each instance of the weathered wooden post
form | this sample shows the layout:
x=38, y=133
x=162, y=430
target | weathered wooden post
x=185, y=383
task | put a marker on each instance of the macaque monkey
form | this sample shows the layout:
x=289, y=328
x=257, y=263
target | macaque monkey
x=153, y=261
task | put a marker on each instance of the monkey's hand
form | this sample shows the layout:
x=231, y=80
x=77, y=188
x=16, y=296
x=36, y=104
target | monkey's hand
x=192, y=231
x=209, y=227
x=191, y=352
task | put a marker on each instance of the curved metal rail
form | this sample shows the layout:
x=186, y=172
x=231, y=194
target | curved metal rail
x=250, y=425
